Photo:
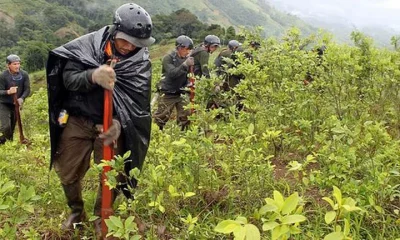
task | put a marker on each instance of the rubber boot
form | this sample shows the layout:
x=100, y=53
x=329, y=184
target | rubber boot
x=73, y=193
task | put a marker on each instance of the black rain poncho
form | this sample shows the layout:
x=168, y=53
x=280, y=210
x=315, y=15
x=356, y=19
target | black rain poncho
x=131, y=97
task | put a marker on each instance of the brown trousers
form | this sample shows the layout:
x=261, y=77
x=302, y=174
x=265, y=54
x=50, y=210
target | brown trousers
x=72, y=160
x=78, y=140
x=166, y=105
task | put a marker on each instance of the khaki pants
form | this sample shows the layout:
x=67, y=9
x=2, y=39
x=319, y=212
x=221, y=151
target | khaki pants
x=166, y=105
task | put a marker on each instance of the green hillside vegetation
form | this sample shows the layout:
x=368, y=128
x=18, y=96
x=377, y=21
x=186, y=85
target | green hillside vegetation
x=31, y=28
x=316, y=161
x=299, y=161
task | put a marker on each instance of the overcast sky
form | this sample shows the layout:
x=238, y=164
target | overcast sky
x=358, y=12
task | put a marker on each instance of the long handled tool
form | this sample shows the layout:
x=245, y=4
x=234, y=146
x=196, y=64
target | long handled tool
x=108, y=154
x=192, y=80
x=22, y=138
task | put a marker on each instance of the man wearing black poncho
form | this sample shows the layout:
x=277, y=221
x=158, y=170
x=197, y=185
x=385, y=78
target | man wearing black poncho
x=77, y=74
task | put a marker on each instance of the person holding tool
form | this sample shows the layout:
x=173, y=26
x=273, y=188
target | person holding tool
x=14, y=83
x=78, y=73
x=172, y=87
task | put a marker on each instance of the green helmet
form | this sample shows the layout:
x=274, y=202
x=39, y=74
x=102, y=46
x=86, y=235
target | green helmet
x=212, y=40
x=184, y=41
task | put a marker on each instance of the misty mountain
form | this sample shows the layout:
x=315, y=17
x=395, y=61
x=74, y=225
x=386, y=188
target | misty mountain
x=378, y=19
x=248, y=13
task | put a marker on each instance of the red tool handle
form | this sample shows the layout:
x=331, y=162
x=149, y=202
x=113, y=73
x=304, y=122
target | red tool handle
x=18, y=118
x=108, y=154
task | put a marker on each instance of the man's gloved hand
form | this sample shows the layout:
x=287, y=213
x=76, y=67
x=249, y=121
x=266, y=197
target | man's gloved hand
x=104, y=76
x=191, y=85
x=20, y=103
x=12, y=90
x=189, y=62
x=112, y=133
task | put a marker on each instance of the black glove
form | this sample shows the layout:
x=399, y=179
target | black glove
x=112, y=133
x=104, y=76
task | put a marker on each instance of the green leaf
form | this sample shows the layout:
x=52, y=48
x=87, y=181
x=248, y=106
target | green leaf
x=295, y=165
x=181, y=142
x=130, y=224
x=337, y=194
x=346, y=229
x=290, y=203
x=3, y=207
x=172, y=191
x=126, y=154
x=226, y=226
x=28, y=208
x=279, y=231
x=293, y=219
x=241, y=220
x=240, y=233
x=92, y=218
x=161, y=208
x=330, y=201
x=251, y=128
x=189, y=194
x=278, y=198
x=252, y=232
x=268, y=208
x=310, y=158
x=334, y=236
x=379, y=209
x=294, y=230
x=116, y=221
x=269, y=225
x=330, y=216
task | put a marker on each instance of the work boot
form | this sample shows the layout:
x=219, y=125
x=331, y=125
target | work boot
x=73, y=193
x=97, y=228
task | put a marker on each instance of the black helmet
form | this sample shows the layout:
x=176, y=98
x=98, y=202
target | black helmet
x=12, y=58
x=321, y=50
x=184, y=41
x=255, y=44
x=135, y=22
x=212, y=40
x=233, y=44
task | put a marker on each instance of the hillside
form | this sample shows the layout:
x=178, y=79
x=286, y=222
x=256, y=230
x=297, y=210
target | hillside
x=338, y=17
x=222, y=12
x=232, y=12
x=32, y=28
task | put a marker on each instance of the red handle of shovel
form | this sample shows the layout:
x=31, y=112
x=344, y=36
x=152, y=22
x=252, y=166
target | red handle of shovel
x=22, y=138
x=108, y=154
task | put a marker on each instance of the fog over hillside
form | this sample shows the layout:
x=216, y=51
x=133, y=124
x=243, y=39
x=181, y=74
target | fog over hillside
x=378, y=18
